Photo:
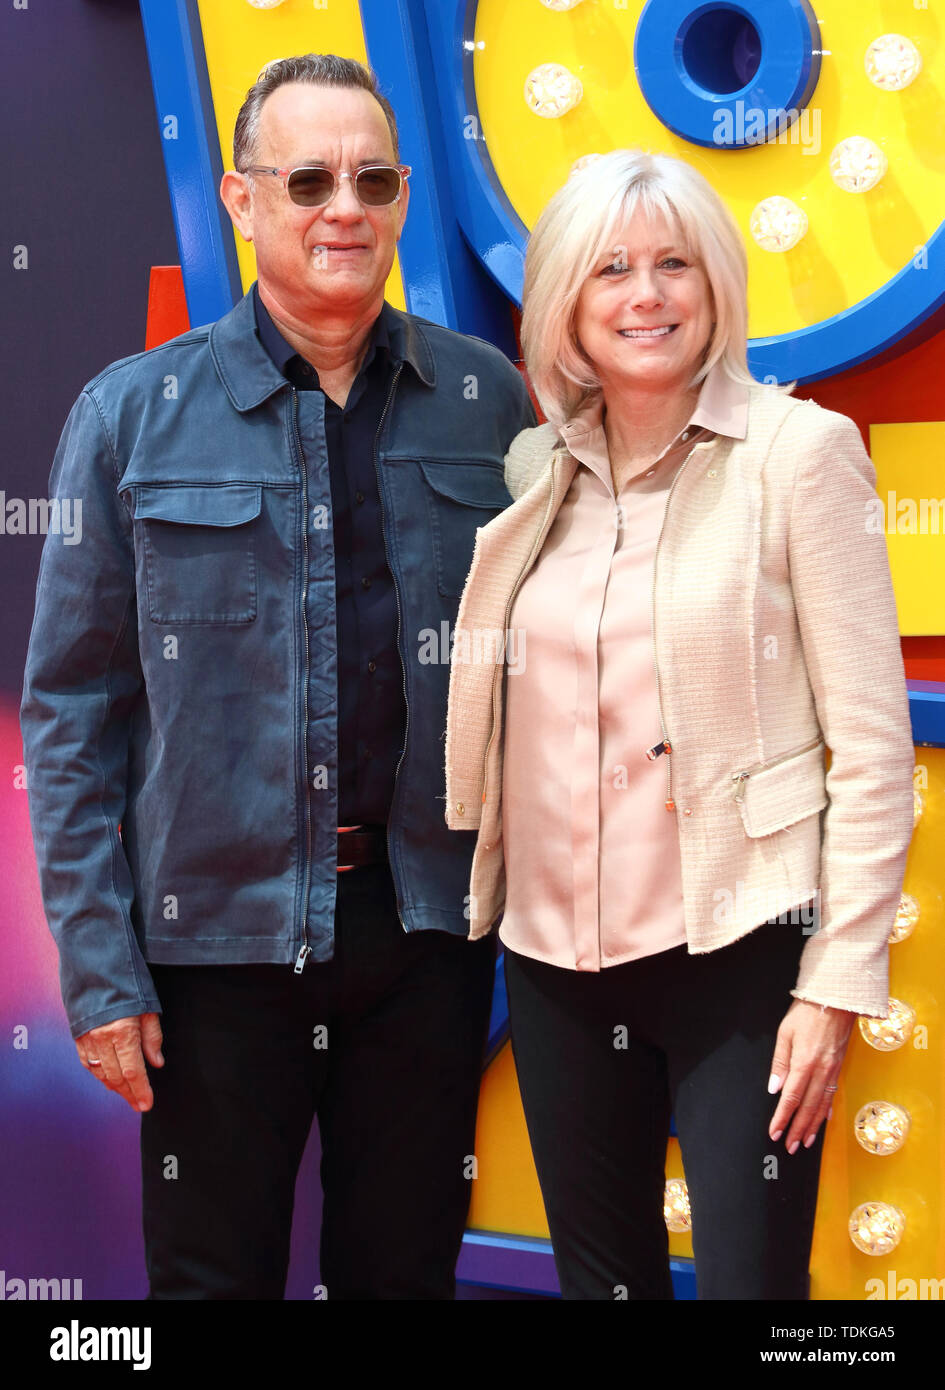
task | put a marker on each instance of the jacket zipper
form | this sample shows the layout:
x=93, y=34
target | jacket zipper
x=403, y=673
x=508, y=611
x=664, y=745
x=306, y=949
x=740, y=778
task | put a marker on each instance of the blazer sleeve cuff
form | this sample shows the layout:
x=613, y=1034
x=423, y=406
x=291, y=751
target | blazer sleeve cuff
x=844, y=974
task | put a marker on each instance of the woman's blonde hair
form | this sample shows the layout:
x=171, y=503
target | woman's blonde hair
x=579, y=226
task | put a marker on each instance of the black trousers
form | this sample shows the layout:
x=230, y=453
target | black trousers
x=384, y=1044
x=604, y=1058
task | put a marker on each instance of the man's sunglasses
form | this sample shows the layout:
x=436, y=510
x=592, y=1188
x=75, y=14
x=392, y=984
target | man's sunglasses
x=312, y=185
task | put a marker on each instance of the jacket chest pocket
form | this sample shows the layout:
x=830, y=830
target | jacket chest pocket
x=199, y=545
x=461, y=497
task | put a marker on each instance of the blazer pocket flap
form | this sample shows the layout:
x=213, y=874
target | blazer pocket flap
x=771, y=798
x=229, y=504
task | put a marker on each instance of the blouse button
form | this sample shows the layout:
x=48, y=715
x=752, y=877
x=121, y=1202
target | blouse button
x=460, y=809
x=651, y=472
x=710, y=473
x=687, y=812
x=685, y=435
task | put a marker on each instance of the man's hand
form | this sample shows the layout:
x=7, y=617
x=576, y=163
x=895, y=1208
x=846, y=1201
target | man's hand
x=113, y=1053
x=808, y=1055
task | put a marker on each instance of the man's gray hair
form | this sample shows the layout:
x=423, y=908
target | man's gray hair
x=319, y=69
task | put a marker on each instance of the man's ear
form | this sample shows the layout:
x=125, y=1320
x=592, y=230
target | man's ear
x=238, y=201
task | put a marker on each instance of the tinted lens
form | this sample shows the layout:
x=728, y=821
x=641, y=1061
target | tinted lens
x=378, y=186
x=310, y=187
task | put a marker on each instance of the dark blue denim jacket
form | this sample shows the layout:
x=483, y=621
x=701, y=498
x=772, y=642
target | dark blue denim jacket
x=171, y=684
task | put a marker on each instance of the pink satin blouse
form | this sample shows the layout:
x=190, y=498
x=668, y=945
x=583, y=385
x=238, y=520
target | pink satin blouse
x=591, y=854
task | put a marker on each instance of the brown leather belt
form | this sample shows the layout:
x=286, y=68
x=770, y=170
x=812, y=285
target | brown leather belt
x=360, y=845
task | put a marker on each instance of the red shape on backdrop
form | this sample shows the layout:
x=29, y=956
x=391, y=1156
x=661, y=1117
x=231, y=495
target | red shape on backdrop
x=167, y=305
x=904, y=388
x=892, y=390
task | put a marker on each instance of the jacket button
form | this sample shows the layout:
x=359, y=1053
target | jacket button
x=687, y=812
x=710, y=472
x=460, y=809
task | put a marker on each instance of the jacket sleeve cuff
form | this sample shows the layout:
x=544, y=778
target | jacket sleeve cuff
x=114, y=1012
x=844, y=974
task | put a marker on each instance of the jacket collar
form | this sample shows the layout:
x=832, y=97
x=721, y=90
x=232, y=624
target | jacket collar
x=249, y=375
x=723, y=404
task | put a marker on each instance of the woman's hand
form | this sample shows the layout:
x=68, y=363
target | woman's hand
x=808, y=1055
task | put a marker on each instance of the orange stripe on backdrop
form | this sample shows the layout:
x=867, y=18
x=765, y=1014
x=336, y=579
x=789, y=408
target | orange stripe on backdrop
x=167, y=305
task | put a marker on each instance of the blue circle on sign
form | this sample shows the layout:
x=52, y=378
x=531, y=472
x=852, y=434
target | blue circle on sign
x=727, y=75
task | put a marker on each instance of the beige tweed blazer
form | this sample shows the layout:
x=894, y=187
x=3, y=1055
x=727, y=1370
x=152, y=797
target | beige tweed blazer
x=775, y=637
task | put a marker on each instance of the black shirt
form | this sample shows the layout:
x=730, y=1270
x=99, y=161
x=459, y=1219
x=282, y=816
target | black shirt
x=372, y=712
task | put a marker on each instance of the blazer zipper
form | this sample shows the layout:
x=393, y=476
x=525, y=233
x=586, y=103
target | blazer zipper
x=403, y=673
x=740, y=778
x=306, y=949
x=508, y=611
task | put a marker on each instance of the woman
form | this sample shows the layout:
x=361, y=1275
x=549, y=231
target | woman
x=698, y=609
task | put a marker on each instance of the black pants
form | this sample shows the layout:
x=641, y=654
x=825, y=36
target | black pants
x=395, y=1091
x=699, y=1034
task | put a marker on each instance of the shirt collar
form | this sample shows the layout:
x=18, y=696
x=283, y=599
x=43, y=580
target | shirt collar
x=282, y=352
x=249, y=376
x=723, y=404
x=722, y=407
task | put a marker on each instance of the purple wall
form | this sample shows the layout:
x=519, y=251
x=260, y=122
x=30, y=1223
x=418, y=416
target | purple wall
x=85, y=192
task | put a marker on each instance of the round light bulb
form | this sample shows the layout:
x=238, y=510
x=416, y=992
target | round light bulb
x=583, y=163
x=857, y=164
x=892, y=62
x=907, y=915
x=552, y=90
x=876, y=1227
x=918, y=805
x=888, y=1034
x=881, y=1128
x=777, y=224
x=676, y=1211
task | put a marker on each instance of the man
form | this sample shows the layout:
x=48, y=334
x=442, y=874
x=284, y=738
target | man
x=233, y=670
